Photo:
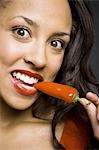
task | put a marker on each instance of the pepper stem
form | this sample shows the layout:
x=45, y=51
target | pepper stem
x=76, y=99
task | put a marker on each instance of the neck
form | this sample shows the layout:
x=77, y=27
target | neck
x=9, y=115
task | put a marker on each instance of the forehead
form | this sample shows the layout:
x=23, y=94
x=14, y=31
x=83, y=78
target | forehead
x=49, y=10
x=36, y=3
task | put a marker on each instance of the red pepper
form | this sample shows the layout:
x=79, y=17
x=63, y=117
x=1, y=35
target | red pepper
x=64, y=92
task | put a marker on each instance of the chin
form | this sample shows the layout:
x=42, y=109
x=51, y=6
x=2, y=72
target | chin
x=18, y=102
x=18, y=106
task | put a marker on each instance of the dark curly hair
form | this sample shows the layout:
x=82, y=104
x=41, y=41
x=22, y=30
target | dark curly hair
x=75, y=70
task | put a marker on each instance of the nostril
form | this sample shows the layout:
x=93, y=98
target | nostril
x=27, y=61
x=36, y=61
x=30, y=62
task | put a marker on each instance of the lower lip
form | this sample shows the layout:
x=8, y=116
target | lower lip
x=23, y=88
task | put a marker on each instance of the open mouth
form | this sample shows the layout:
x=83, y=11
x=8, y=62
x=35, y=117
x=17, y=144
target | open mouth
x=24, y=81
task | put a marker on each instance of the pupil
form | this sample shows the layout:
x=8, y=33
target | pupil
x=21, y=32
x=54, y=43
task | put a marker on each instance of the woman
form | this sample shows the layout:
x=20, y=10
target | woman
x=49, y=41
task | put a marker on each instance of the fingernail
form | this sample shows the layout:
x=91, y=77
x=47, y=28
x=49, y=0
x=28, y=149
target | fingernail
x=87, y=102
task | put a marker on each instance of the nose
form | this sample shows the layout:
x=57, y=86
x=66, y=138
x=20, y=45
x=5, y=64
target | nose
x=36, y=56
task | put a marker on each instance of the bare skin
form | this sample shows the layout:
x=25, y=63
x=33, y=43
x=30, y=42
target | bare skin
x=34, y=51
x=91, y=104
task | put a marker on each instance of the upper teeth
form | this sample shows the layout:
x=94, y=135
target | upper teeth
x=25, y=78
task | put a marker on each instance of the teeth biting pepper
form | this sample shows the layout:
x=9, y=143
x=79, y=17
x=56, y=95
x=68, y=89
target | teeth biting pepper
x=67, y=93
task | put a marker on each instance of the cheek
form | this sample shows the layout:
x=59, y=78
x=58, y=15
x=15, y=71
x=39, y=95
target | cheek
x=55, y=64
x=9, y=51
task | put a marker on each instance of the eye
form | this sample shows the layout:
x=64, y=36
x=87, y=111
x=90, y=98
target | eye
x=21, y=33
x=57, y=44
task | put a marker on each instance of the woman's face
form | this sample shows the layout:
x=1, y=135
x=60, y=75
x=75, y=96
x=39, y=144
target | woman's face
x=33, y=38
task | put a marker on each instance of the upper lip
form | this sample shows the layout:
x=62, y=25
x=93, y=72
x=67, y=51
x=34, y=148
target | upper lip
x=29, y=73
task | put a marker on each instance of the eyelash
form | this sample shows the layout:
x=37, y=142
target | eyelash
x=62, y=43
x=24, y=30
x=18, y=36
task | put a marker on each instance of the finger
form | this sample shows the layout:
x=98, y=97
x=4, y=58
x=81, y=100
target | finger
x=98, y=112
x=91, y=110
x=93, y=97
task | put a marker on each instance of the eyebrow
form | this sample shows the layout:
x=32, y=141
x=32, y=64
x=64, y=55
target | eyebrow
x=60, y=34
x=32, y=23
x=27, y=20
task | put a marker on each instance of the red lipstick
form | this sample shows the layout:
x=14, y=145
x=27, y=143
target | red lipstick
x=21, y=80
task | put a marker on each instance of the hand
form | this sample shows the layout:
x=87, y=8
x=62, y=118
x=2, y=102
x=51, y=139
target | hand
x=91, y=104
